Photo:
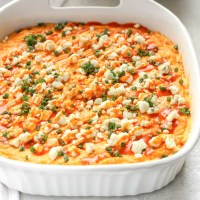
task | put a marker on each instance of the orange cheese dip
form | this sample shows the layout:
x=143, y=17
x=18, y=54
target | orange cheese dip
x=79, y=94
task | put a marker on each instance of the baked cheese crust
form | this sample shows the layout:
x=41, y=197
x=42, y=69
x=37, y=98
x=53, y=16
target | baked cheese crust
x=79, y=94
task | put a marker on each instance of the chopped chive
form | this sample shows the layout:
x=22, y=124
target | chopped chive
x=96, y=53
x=5, y=134
x=66, y=158
x=59, y=131
x=169, y=99
x=111, y=126
x=9, y=67
x=185, y=111
x=129, y=32
x=41, y=24
x=60, y=153
x=25, y=98
x=114, y=98
x=162, y=88
x=89, y=68
x=56, y=53
x=109, y=150
x=59, y=26
x=163, y=156
x=61, y=141
x=134, y=108
x=176, y=47
x=21, y=148
x=117, y=154
x=181, y=81
x=123, y=144
x=49, y=32
x=63, y=33
x=104, y=97
x=176, y=69
x=134, y=88
x=32, y=149
x=120, y=74
x=80, y=146
x=5, y=96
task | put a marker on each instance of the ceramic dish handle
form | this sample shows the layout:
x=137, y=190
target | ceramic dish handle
x=23, y=13
x=34, y=6
x=84, y=3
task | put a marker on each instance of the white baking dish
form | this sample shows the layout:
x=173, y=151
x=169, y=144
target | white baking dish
x=102, y=180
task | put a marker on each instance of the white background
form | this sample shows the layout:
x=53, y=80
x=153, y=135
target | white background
x=186, y=186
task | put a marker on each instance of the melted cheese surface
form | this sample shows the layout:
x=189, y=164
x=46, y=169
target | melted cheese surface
x=79, y=94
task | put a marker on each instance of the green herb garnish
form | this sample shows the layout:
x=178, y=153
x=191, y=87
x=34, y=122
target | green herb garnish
x=111, y=126
x=5, y=96
x=89, y=68
x=185, y=111
x=32, y=149
x=59, y=26
x=25, y=108
x=5, y=134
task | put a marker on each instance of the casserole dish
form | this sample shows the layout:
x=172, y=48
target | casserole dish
x=99, y=180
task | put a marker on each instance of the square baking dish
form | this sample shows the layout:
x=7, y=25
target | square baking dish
x=102, y=180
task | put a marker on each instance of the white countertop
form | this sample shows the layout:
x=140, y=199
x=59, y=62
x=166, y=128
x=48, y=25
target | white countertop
x=186, y=185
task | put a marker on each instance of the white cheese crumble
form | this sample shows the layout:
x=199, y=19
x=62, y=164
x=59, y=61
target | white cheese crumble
x=91, y=28
x=145, y=123
x=129, y=80
x=114, y=138
x=140, y=39
x=108, y=75
x=137, y=25
x=135, y=58
x=116, y=91
x=102, y=40
x=126, y=124
x=138, y=64
x=155, y=141
x=112, y=56
x=59, y=49
x=66, y=45
x=40, y=135
x=47, y=129
x=173, y=115
x=173, y=89
x=25, y=137
x=164, y=68
x=170, y=142
x=89, y=147
x=90, y=102
x=53, y=153
x=39, y=46
x=84, y=39
x=63, y=120
x=50, y=45
x=38, y=58
x=178, y=99
x=127, y=115
x=66, y=76
x=138, y=146
x=15, y=60
x=98, y=101
x=94, y=63
x=143, y=106
x=15, y=142
x=122, y=49
x=57, y=85
x=105, y=124
x=126, y=102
